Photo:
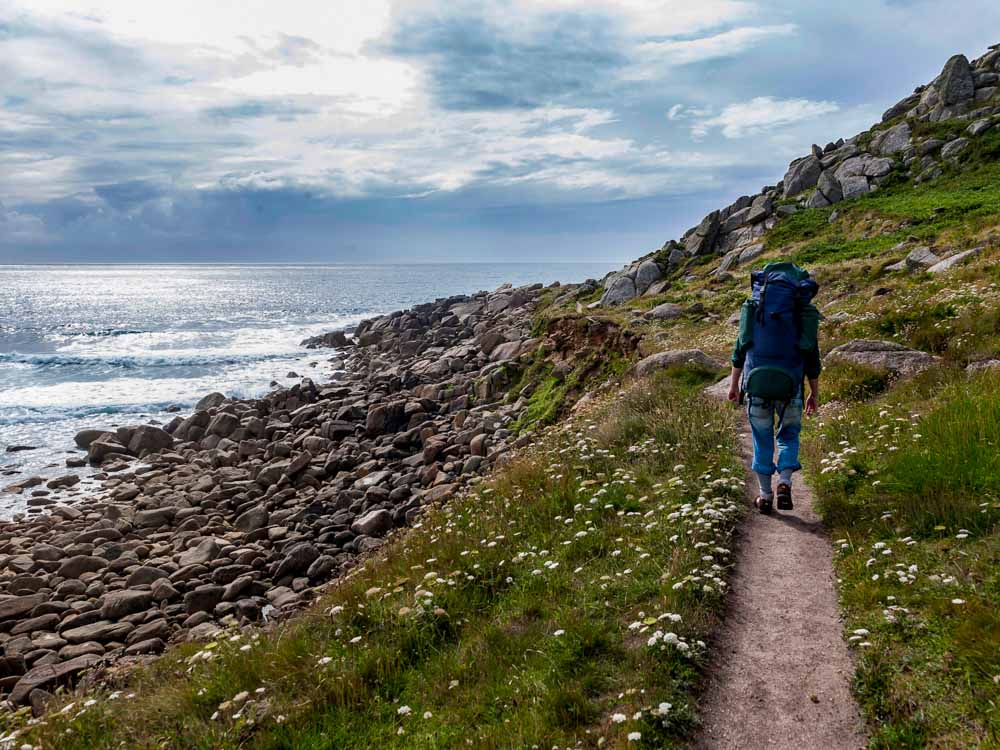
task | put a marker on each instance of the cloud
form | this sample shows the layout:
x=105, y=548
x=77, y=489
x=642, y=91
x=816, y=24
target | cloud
x=760, y=114
x=473, y=63
x=134, y=126
x=655, y=58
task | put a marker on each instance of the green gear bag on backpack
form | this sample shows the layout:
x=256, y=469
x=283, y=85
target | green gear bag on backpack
x=777, y=324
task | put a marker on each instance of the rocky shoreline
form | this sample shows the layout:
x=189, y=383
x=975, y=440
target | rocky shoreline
x=241, y=511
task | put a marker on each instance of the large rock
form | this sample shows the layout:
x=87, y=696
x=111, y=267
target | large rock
x=647, y=274
x=672, y=357
x=103, y=447
x=18, y=606
x=621, y=289
x=702, y=239
x=210, y=401
x=100, y=631
x=374, y=523
x=202, y=554
x=251, y=520
x=666, y=311
x=802, y=175
x=886, y=355
x=918, y=259
x=155, y=517
x=223, y=424
x=953, y=260
x=829, y=186
x=203, y=598
x=50, y=675
x=955, y=84
x=953, y=149
x=84, y=438
x=76, y=566
x=297, y=559
x=893, y=140
x=149, y=438
x=118, y=604
x=854, y=186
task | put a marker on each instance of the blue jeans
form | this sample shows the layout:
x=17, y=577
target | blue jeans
x=762, y=416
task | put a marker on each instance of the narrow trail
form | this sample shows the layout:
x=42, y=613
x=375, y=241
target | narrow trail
x=781, y=674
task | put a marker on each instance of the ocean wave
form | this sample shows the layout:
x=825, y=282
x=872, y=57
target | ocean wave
x=22, y=415
x=132, y=362
x=105, y=332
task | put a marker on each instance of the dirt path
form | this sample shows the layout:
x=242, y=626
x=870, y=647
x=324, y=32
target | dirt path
x=781, y=672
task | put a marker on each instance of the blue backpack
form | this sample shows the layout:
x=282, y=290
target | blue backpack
x=777, y=324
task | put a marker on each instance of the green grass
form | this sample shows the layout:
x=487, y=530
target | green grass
x=847, y=381
x=518, y=616
x=911, y=486
x=957, y=206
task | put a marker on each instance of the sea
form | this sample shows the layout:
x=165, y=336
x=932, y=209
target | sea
x=107, y=345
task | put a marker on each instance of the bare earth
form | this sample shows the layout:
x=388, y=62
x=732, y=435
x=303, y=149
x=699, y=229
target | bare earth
x=781, y=672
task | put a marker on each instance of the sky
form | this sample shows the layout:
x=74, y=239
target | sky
x=429, y=130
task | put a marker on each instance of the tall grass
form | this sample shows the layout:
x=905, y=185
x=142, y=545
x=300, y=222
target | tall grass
x=518, y=616
x=911, y=485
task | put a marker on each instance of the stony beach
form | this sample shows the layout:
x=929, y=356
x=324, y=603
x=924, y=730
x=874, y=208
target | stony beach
x=238, y=512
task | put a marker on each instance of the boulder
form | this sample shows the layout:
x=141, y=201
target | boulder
x=953, y=149
x=886, y=355
x=148, y=646
x=50, y=675
x=893, y=140
x=84, y=438
x=953, y=260
x=829, y=186
x=621, y=289
x=149, y=438
x=223, y=424
x=211, y=401
x=802, y=175
x=203, y=598
x=100, y=631
x=144, y=575
x=979, y=127
x=76, y=566
x=206, y=551
x=666, y=311
x=854, y=186
x=162, y=590
x=647, y=274
x=297, y=559
x=672, y=357
x=920, y=258
x=67, y=480
x=18, y=606
x=118, y=604
x=702, y=239
x=251, y=520
x=955, y=84
x=982, y=365
x=101, y=448
x=155, y=517
x=374, y=523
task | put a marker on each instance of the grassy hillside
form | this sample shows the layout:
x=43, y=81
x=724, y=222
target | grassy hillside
x=910, y=486
x=563, y=603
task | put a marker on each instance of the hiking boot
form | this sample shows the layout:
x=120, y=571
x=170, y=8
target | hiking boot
x=784, y=496
x=763, y=504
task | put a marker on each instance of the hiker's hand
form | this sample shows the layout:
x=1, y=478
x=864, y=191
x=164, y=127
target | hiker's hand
x=812, y=404
x=734, y=392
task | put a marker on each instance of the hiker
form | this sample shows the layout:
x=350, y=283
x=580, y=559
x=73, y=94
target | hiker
x=776, y=350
